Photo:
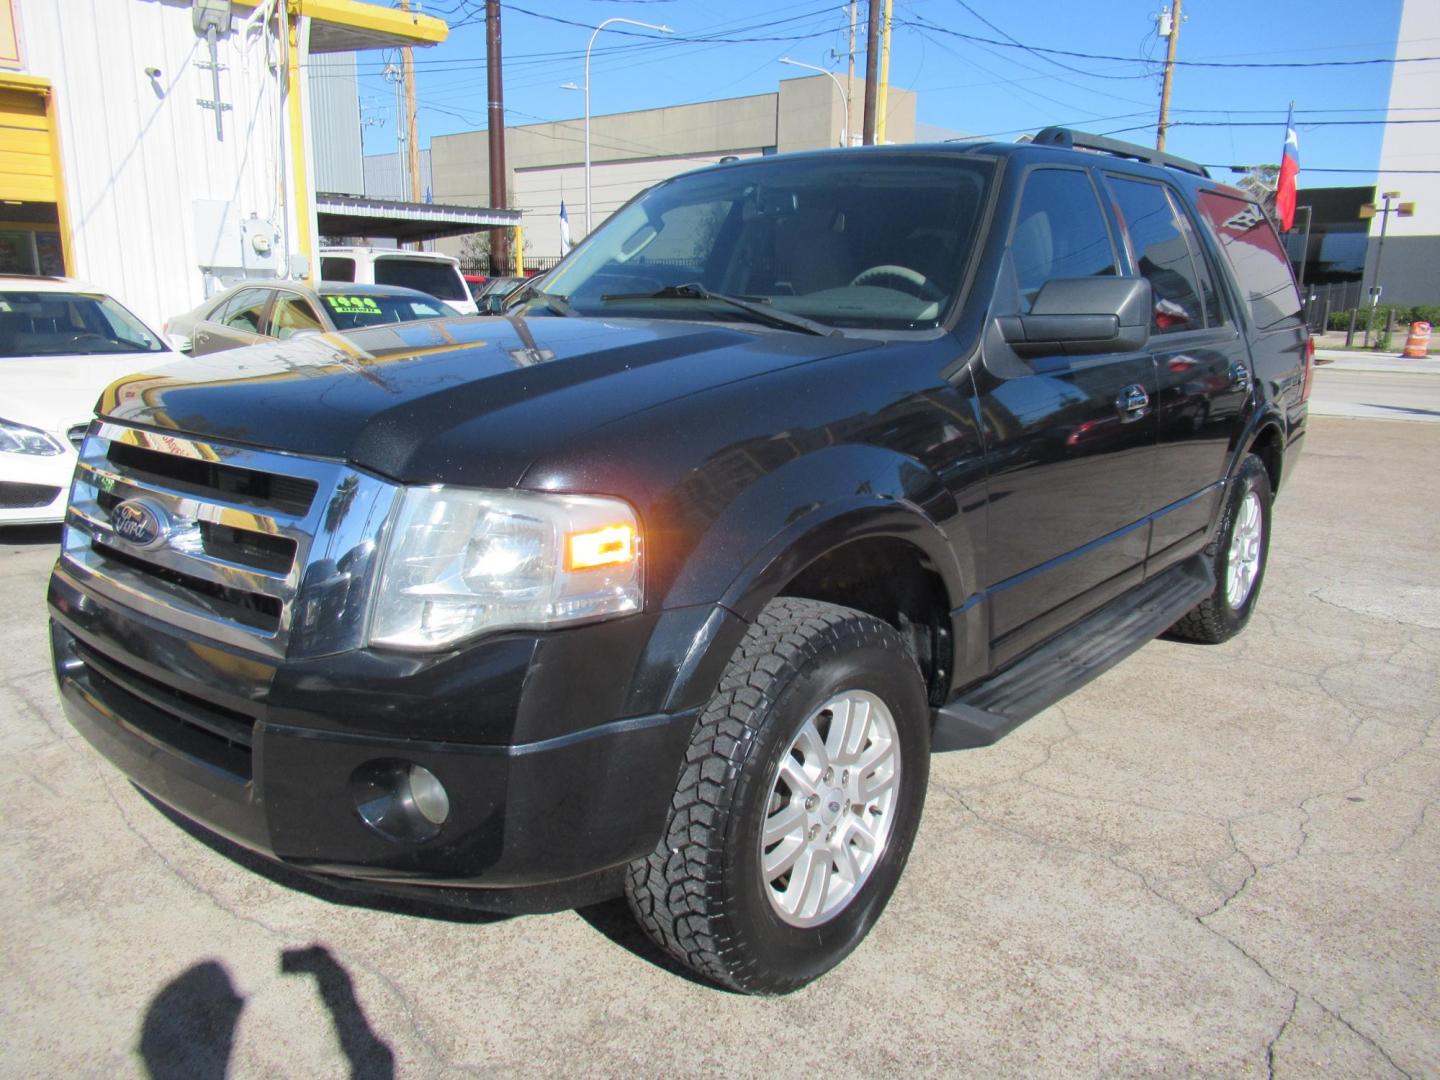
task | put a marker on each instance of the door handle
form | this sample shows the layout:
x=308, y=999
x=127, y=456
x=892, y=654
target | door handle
x=1132, y=401
x=1240, y=376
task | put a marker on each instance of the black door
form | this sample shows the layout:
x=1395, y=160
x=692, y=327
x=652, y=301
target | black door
x=1201, y=361
x=1070, y=441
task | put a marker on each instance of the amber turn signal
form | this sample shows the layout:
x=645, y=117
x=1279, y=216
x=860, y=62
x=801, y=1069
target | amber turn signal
x=608, y=546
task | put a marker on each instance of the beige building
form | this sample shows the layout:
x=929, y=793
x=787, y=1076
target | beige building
x=1410, y=165
x=631, y=151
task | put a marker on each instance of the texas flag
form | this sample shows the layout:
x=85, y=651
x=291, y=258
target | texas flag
x=565, y=230
x=1289, y=169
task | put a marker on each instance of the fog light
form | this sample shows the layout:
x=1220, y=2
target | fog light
x=430, y=796
x=400, y=800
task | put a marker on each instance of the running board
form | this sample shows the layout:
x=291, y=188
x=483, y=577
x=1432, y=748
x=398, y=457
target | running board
x=986, y=713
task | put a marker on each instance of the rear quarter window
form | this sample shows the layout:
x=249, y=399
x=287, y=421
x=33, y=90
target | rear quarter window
x=1261, y=267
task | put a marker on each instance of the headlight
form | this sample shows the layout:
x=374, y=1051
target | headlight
x=19, y=439
x=461, y=562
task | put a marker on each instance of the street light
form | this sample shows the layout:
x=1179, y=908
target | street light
x=607, y=22
x=845, y=134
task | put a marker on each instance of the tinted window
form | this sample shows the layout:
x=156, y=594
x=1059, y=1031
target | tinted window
x=1249, y=242
x=337, y=269
x=244, y=310
x=353, y=312
x=70, y=324
x=1059, y=232
x=437, y=278
x=1161, y=254
x=291, y=315
x=1208, y=292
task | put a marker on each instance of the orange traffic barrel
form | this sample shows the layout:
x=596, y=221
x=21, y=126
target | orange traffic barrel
x=1417, y=345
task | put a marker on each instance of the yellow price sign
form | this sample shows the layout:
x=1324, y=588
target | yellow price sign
x=353, y=305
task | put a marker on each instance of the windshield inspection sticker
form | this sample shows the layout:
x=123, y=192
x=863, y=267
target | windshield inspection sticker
x=354, y=305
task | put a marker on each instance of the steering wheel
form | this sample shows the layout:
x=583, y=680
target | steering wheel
x=916, y=283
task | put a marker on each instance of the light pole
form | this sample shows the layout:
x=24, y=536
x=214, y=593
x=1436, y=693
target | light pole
x=607, y=22
x=1369, y=211
x=845, y=134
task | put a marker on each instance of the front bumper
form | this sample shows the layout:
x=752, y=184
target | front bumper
x=25, y=480
x=273, y=754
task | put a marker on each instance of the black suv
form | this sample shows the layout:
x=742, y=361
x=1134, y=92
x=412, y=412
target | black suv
x=669, y=581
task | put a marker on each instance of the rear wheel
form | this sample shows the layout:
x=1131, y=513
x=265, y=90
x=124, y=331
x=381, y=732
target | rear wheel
x=797, y=804
x=1238, y=556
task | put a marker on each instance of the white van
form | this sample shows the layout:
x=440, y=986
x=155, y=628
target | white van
x=429, y=271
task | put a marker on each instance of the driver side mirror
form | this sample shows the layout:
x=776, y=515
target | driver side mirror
x=1082, y=317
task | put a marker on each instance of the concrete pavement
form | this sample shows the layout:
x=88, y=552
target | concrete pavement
x=1214, y=861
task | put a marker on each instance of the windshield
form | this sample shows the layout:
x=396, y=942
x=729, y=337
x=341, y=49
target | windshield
x=349, y=312
x=69, y=324
x=428, y=275
x=848, y=240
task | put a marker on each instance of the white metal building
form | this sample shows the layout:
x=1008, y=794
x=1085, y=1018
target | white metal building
x=158, y=149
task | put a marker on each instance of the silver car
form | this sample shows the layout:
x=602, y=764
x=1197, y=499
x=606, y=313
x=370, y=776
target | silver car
x=257, y=311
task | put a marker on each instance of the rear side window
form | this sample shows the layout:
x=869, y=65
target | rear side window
x=1249, y=242
x=1162, y=255
x=245, y=309
x=1059, y=232
x=337, y=269
x=436, y=278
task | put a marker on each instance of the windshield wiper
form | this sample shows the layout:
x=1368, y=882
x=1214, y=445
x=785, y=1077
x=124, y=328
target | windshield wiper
x=554, y=301
x=759, y=309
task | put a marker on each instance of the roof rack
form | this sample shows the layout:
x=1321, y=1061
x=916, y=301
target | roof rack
x=1080, y=140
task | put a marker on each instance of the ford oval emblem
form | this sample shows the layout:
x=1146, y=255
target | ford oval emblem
x=139, y=523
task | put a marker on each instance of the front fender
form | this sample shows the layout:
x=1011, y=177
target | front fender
x=782, y=523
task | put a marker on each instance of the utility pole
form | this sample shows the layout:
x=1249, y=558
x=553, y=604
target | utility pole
x=872, y=45
x=1169, y=74
x=882, y=96
x=496, y=123
x=407, y=63
x=850, y=79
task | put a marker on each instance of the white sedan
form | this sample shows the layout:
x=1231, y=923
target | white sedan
x=61, y=344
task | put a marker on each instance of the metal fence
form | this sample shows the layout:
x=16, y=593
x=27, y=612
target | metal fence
x=1323, y=300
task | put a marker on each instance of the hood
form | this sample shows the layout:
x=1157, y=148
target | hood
x=463, y=401
x=54, y=393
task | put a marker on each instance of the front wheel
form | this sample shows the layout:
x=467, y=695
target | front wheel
x=797, y=803
x=1238, y=556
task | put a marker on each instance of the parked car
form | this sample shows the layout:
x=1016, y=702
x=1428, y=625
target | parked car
x=256, y=311
x=801, y=468
x=498, y=290
x=429, y=271
x=476, y=284
x=61, y=343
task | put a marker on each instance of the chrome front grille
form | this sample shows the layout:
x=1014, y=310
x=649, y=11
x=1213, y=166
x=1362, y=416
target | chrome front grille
x=265, y=551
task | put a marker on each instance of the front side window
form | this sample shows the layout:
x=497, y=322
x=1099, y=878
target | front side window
x=69, y=324
x=859, y=241
x=292, y=315
x=1059, y=232
x=1161, y=254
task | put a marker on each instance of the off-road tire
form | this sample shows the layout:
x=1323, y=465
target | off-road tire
x=699, y=894
x=1214, y=620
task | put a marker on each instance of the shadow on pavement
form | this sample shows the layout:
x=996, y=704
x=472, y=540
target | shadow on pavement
x=324, y=889
x=189, y=1028
x=613, y=920
x=370, y=1056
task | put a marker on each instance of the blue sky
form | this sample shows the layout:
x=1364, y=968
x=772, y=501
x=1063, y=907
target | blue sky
x=1222, y=115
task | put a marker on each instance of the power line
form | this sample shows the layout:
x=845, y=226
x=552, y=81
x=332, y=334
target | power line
x=1179, y=63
